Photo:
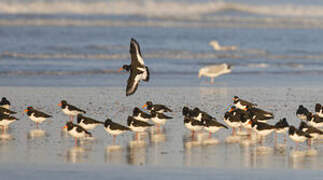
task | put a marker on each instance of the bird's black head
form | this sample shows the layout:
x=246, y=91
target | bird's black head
x=185, y=111
x=69, y=125
x=153, y=113
x=291, y=130
x=79, y=118
x=4, y=101
x=235, y=98
x=129, y=120
x=302, y=125
x=253, y=123
x=125, y=67
x=318, y=107
x=149, y=105
x=29, y=110
x=107, y=122
x=63, y=104
x=136, y=111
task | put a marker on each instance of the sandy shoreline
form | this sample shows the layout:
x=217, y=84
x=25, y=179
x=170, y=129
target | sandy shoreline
x=167, y=150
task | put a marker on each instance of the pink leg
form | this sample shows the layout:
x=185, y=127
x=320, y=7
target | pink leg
x=210, y=135
x=193, y=135
x=114, y=139
x=75, y=142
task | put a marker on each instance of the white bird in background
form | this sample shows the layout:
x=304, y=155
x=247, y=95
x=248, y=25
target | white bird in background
x=214, y=71
x=216, y=46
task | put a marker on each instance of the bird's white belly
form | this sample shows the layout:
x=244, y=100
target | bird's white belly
x=113, y=132
x=6, y=122
x=37, y=119
x=212, y=129
x=317, y=125
x=282, y=130
x=70, y=113
x=265, y=132
x=239, y=106
x=140, y=118
x=232, y=124
x=302, y=117
x=137, y=129
x=87, y=126
x=297, y=138
x=158, y=121
x=192, y=128
x=76, y=134
x=6, y=106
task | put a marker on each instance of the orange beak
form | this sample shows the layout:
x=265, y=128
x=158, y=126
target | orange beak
x=144, y=106
x=26, y=110
x=121, y=69
x=245, y=109
x=64, y=127
x=231, y=110
x=60, y=104
x=250, y=122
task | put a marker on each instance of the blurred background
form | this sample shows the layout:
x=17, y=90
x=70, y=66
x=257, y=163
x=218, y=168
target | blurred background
x=84, y=42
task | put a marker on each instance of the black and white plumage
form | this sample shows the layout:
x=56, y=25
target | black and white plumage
x=297, y=135
x=136, y=125
x=193, y=125
x=261, y=128
x=114, y=128
x=302, y=113
x=156, y=107
x=138, y=70
x=212, y=125
x=232, y=119
x=5, y=103
x=6, y=111
x=76, y=131
x=187, y=112
x=70, y=110
x=87, y=122
x=319, y=110
x=244, y=117
x=282, y=126
x=315, y=120
x=159, y=118
x=140, y=115
x=6, y=120
x=199, y=115
x=242, y=104
x=259, y=114
x=312, y=131
x=36, y=115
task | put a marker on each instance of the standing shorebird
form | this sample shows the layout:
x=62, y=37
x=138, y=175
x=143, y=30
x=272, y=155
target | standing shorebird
x=137, y=68
x=297, y=135
x=159, y=108
x=87, y=122
x=114, y=128
x=36, y=116
x=242, y=104
x=5, y=103
x=76, y=131
x=70, y=110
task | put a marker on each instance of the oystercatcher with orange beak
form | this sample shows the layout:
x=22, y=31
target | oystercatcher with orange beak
x=242, y=104
x=6, y=120
x=114, y=128
x=87, y=122
x=35, y=115
x=70, y=110
x=137, y=126
x=138, y=70
x=76, y=131
x=140, y=115
x=156, y=107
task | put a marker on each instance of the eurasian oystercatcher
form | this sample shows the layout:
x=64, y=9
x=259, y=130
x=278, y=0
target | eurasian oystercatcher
x=140, y=115
x=6, y=120
x=137, y=68
x=282, y=127
x=114, y=128
x=159, y=118
x=187, y=112
x=193, y=125
x=262, y=129
x=232, y=119
x=242, y=104
x=76, y=131
x=315, y=120
x=87, y=122
x=6, y=111
x=70, y=110
x=212, y=125
x=137, y=126
x=36, y=116
x=156, y=107
x=297, y=135
x=312, y=131
x=302, y=113
x=259, y=114
x=319, y=110
x=5, y=103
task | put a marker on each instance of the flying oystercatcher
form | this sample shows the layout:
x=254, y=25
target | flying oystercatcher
x=137, y=68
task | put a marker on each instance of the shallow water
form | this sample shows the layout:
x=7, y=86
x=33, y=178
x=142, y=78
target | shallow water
x=172, y=147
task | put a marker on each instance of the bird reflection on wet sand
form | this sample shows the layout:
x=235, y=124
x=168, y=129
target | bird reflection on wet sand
x=78, y=154
x=136, y=152
x=36, y=133
x=5, y=136
x=114, y=154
